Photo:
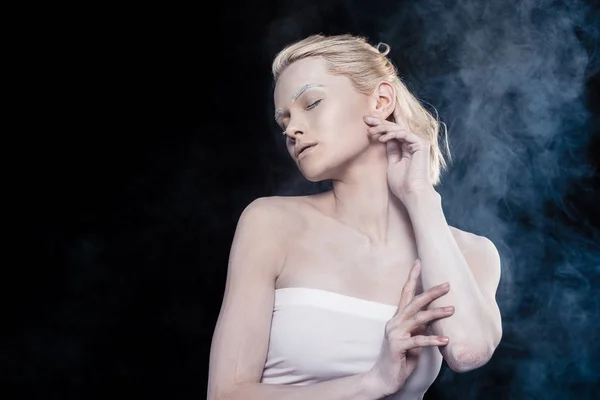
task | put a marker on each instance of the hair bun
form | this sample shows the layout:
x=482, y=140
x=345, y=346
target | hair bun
x=386, y=49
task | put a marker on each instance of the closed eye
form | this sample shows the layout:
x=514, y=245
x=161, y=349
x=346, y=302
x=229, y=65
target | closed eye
x=313, y=105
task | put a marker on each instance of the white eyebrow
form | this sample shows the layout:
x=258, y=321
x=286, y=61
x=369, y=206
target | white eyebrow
x=295, y=96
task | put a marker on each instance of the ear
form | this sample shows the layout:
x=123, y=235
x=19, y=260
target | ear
x=385, y=96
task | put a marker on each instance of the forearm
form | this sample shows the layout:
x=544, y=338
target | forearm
x=354, y=387
x=470, y=328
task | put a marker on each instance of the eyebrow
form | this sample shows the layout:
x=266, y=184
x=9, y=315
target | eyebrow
x=295, y=96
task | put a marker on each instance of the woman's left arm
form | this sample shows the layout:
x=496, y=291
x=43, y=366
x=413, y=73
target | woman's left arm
x=473, y=269
x=475, y=328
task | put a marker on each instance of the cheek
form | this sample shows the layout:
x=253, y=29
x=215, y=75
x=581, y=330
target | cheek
x=342, y=119
x=352, y=125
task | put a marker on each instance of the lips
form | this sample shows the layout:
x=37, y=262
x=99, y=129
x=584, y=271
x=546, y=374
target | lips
x=303, y=147
x=306, y=148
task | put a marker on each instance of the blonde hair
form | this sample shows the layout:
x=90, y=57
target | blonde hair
x=366, y=66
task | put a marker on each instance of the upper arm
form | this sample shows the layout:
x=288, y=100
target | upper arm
x=240, y=340
x=484, y=262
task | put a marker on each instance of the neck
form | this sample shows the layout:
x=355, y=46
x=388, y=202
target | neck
x=362, y=200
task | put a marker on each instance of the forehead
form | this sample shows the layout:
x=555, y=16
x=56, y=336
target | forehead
x=307, y=71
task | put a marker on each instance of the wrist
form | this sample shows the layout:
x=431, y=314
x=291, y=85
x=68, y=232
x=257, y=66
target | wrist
x=422, y=200
x=372, y=387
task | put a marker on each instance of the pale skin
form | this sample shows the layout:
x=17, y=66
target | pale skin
x=361, y=239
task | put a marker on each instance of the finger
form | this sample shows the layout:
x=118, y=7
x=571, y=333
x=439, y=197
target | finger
x=393, y=150
x=382, y=128
x=408, y=291
x=406, y=136
x=425, y=298
x=372, y=120
x=419, y=341
x=422, y=319
x=398, y=119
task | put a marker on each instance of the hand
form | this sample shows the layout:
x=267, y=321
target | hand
x=404, y=335
x=408, y=156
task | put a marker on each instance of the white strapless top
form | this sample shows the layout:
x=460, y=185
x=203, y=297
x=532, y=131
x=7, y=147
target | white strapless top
x=318, y=335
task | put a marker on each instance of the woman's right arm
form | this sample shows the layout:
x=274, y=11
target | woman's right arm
x=241, y=337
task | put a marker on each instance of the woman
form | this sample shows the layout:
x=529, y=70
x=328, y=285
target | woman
x=324, y=298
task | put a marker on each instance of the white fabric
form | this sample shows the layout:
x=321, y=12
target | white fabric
x=318, y=335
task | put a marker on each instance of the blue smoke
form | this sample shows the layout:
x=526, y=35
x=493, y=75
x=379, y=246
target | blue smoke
x=508, y=79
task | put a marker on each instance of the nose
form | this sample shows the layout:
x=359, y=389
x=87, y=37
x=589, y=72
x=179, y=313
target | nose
x=295, y=128
x=292, y=133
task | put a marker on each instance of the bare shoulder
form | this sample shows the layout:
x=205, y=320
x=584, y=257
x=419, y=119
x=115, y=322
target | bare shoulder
x=275, y=211
x=277, y=217
x=469, y=242
x=273, y=215
x=481, y=255
x=285, y=210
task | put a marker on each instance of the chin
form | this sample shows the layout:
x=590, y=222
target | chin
x=314, y=171
x=314, y=176
x=319, y=171
x=317, y=167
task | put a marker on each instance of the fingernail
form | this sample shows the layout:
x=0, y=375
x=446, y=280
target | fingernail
x=371, y=120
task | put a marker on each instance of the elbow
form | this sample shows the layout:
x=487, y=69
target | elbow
x=468, y=361
x=467, y=357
